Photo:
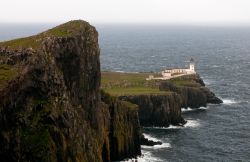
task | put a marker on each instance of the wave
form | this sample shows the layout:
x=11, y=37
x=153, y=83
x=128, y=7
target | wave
x=190, y=124
x=163, y=145
x=146, y=157
x=150, y=137
x=208, y=81
x=229, y=101
x=186, y=110
x=189, y=109
x=146, y=154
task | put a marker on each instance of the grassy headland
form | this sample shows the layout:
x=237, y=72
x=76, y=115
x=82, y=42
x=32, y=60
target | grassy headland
x=64, y=30
x=116, y=83
x=10, y=71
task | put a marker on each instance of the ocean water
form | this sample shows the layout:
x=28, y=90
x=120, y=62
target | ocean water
x=222, y=55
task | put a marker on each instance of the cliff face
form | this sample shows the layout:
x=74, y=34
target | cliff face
x=125, y=129
x=193, y=94
x=50, y=102
x=158, y=109
x=163, y=109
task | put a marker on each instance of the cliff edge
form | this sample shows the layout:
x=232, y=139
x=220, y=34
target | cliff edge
x=159, y=101
x=50, y=101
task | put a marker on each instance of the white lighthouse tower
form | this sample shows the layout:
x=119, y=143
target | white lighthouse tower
x=191, y=65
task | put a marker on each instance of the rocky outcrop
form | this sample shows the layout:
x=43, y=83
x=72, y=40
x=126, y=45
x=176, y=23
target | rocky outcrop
x=147, y=142
x=164, y=109
x=125, y=131
x=51, y=109
x=193, y=95
x=157, y=109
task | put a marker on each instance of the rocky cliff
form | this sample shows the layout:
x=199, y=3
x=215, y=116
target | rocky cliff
x=192, y=91
x=159, y=101
x=125, y=131
x=50, y=103
x=158, y=109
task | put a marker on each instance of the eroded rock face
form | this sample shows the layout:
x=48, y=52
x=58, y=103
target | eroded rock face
x=125, y=131
x=52, y=109
x=193, y=96
x=165, y=109
x=158, y=109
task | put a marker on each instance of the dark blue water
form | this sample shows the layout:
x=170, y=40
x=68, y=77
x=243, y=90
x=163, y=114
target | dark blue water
x=222, y=54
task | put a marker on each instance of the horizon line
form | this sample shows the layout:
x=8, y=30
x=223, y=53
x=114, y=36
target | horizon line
x=134, y=23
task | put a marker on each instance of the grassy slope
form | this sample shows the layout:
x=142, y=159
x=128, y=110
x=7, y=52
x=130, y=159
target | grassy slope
x=128, y=83
x=64, y=30
x=116, y=83
x=9, y=72
x=187, y=81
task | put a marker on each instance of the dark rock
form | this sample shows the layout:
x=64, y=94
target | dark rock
x=165, y=109
x=158, y=109
x=147, y=142
x=52, y=109
x=125, y=131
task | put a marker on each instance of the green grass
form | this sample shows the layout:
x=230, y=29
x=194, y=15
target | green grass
x=119, y=84
x=128, y=83
x=64, y=30
x=133, y=91
x=187, y=81
x=7, y=72
x=116, y=79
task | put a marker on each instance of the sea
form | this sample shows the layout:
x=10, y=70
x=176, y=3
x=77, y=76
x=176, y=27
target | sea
x=222, y=56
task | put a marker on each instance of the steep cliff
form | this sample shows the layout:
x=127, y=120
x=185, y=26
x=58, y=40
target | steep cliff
x=159, y=101
x=125, y=131
x=192, y=90
x=50, y=101
x=157, y=109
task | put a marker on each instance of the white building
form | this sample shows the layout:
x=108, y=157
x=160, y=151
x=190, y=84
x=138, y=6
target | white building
x=172, y=73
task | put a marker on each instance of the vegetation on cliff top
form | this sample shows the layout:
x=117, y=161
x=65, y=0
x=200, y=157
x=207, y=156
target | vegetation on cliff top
x=118, y=84
x=9, y=72
x=65, y=30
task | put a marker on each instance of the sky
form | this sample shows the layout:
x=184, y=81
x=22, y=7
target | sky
x=127, y=11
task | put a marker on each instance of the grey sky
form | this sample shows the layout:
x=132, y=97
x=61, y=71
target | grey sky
x=128, y=11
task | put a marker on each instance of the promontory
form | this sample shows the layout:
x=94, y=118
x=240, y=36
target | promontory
x=56, y=104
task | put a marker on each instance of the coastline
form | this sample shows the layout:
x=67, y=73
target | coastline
x=51, y=100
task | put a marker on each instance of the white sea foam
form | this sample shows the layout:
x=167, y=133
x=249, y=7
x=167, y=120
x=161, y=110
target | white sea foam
x=208, y=81
x=189, y=109
x=203, y=108
x=190, y=124
x=150, y=137
x=185, y=110
x=229, y=101
x=163, y=145
x=146, y=157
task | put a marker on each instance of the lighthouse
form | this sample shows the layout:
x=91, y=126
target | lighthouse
x=191, y=65
x=173, y=73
